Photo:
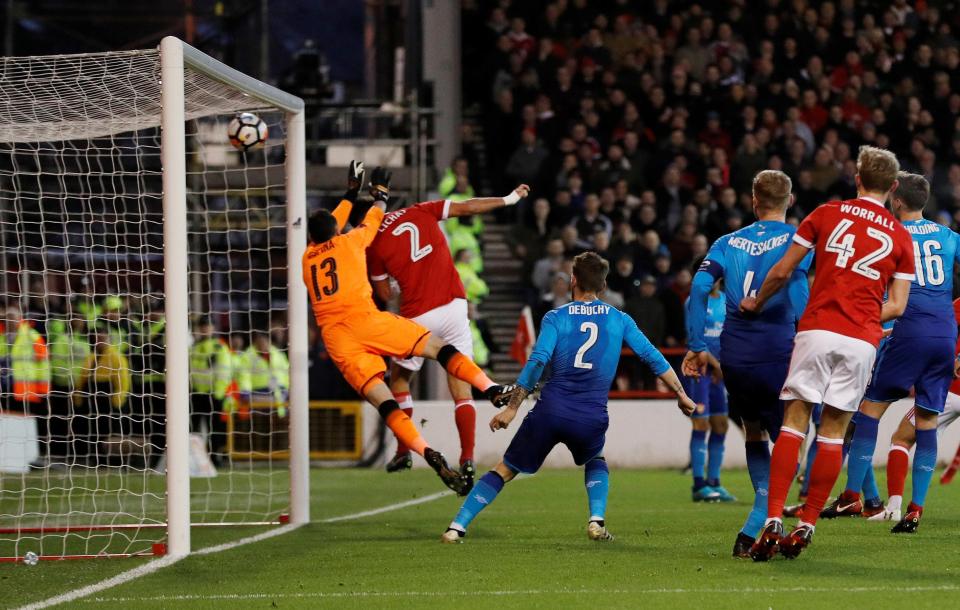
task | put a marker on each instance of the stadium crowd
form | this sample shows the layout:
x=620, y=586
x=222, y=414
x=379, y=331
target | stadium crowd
x=640, y=125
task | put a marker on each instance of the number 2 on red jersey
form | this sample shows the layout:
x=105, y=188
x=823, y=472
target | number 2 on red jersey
x=416, y=252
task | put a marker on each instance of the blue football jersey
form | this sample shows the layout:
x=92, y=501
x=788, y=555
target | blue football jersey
x=582, y=342
x=929, y=311
x=743, y=259
x=713, y=324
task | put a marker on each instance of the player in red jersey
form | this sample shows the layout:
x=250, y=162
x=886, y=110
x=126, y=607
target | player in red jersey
x=861, y=253
x=411, y=247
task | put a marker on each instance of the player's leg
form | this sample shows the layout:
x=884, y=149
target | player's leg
x=783, y=468
x=377, y=392
x=924, y=463
x=860, y=461
x=481, y=496
x=697, y=390
x=719, y=424
x=454, y=328
x=465, y=416
x=950, y=413
x=526, y=453
x=400, y=388
x=898, y=463
x=461, y=366
x=585, y=440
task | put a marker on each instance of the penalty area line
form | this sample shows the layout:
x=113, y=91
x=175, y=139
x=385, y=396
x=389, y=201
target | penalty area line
x=509, y=593
x=158, y=564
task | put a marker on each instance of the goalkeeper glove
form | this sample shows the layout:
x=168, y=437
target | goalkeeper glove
x=380, y=184
x=354, y=181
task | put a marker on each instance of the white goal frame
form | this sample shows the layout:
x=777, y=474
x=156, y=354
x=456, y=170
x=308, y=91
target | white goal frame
x=175, y=55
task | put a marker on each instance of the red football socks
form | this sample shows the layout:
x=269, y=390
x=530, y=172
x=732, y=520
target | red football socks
x=898, y=463
x=466, y=416
x=783, y=468
x=826, y=468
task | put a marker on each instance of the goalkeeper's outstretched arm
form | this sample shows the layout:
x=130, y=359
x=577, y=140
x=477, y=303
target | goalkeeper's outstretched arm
x=481, y=205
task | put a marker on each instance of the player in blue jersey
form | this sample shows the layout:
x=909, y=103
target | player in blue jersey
x=710, y=396
x=581, y=341
x=919, y=355
x=755, y=348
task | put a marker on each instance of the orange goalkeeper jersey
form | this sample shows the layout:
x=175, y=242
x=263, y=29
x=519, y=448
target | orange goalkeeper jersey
x=335, y=271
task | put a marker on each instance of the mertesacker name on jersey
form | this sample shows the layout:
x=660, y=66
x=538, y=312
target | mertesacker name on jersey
x=855, y=210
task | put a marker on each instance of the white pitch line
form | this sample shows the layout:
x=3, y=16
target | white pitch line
x=387, y=509
x=520, y=592
x=158, y=564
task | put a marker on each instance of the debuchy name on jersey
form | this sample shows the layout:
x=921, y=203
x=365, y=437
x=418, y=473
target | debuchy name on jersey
x=743, y=259
x=411, y=248
x=582, y=343
x=929, y=312
x=860, y=248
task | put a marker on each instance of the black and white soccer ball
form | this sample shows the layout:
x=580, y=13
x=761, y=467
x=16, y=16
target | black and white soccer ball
x=247, y=131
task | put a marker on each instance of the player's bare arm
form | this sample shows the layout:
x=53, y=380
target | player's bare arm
x=898, y=292
x=382, y=289
x=695, y=364
x=502, y=419
x=776, y=279
x=684, y=402
x=481, y=205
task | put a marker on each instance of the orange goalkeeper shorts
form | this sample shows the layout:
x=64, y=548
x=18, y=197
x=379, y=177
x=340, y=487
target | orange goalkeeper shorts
x=358, y=344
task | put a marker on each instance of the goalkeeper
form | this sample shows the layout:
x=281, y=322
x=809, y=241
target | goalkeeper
x=358, y=335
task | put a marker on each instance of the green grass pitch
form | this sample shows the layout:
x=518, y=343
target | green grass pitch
x=529, y=550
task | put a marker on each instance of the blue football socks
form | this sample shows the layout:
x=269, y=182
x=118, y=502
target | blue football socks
x=924, y=462
x=715, y=448
x=758, y=465
x=861, y=451
x=698, y=457
x=482, y=494
x=811, y=455
x=596, y=478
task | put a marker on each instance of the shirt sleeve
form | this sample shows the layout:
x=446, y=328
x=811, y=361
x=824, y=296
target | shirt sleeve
x=541, y=354
x=809, y=229
x=697, y=310
x=375, y=266
x=905, y=266
x=713, y=264
x=342, y=212
x=366, y=231
x=439, y=209
x=642, y=347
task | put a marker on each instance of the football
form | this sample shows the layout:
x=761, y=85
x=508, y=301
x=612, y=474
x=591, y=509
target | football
x=247, y=131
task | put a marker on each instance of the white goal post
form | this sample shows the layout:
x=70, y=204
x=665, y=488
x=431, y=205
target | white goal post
x=132, y=129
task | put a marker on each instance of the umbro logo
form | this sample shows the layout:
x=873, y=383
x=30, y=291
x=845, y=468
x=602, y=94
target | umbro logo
x=481, y=499
x=593, y=484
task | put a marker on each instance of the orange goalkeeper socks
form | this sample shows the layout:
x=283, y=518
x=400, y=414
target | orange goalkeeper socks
x=464, y=369
x=401, y=425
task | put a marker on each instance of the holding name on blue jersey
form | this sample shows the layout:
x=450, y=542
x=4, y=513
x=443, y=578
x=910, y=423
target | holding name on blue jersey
x=581, y=341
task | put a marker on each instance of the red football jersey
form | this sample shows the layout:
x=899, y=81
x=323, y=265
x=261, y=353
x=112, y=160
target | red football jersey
x=412, y=249
x=955, y=386
x=860, y=248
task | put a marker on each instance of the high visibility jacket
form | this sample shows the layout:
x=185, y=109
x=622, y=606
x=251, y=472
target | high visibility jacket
x=269, y=374
x=147, y=361
x=473, y=284
x=108, y=366
x=29, y=363
x=68, y=354
x=239, y=388
x=210, y=369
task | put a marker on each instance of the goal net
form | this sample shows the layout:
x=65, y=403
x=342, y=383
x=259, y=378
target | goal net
x=148, y=372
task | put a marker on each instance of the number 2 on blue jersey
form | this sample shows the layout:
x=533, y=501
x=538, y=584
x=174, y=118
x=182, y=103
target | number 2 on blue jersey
x=586, y=327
